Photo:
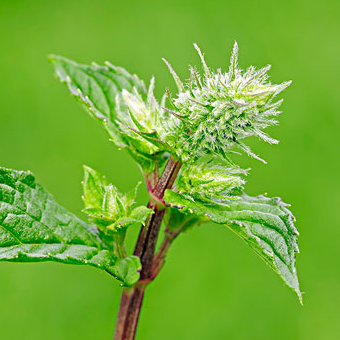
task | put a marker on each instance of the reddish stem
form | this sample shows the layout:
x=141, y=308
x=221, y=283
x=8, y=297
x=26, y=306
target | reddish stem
x=132, y=298
x=159, y=258
x=129, y=310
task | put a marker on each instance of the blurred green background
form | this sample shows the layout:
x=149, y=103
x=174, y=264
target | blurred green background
x=213, y=286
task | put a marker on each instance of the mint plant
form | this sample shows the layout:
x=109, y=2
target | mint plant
x=183, y=146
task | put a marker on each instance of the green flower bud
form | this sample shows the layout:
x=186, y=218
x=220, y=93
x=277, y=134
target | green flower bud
x=137, y=114
x=103, y=201
x=209, y=182
x=108, y=208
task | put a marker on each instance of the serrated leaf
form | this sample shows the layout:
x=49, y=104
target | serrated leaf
x=33, y=228
x=97, y=88
x=95, y=85
x=264, y=223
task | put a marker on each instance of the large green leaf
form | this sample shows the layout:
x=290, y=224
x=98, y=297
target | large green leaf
x=264, y=223
x=33, y=228
x=99, y=89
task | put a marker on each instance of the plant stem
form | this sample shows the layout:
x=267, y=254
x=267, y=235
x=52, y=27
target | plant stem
x=129, y=310
x=159, y=258
x=169, y=236
x=132, y=298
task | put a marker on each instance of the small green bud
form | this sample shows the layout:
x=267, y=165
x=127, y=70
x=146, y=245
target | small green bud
x=108, y=208
x=209, y=182
x=112, y=206
x=138, y=114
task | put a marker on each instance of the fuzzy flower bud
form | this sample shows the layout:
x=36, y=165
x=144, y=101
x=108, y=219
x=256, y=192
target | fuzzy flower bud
x=213, y=113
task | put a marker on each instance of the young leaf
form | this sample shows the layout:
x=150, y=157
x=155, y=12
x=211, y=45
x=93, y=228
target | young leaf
x=140, y=213
x=93, y=187
x=107, y=207
x=33, y=228
x=264, y=223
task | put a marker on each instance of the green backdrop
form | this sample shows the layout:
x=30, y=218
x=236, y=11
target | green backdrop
x=213, y=286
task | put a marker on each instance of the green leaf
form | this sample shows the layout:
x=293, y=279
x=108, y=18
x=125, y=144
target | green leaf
x=152, y=138
x=100, y=90
x=112, y=205
x=130, y=197
x=137, y=215
x=147, y=163
x=93, y=187
x=175, y=220
x=34, y=228
x=97, y=88
x=264, y=223
x=140, y=213
x=128, y=268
